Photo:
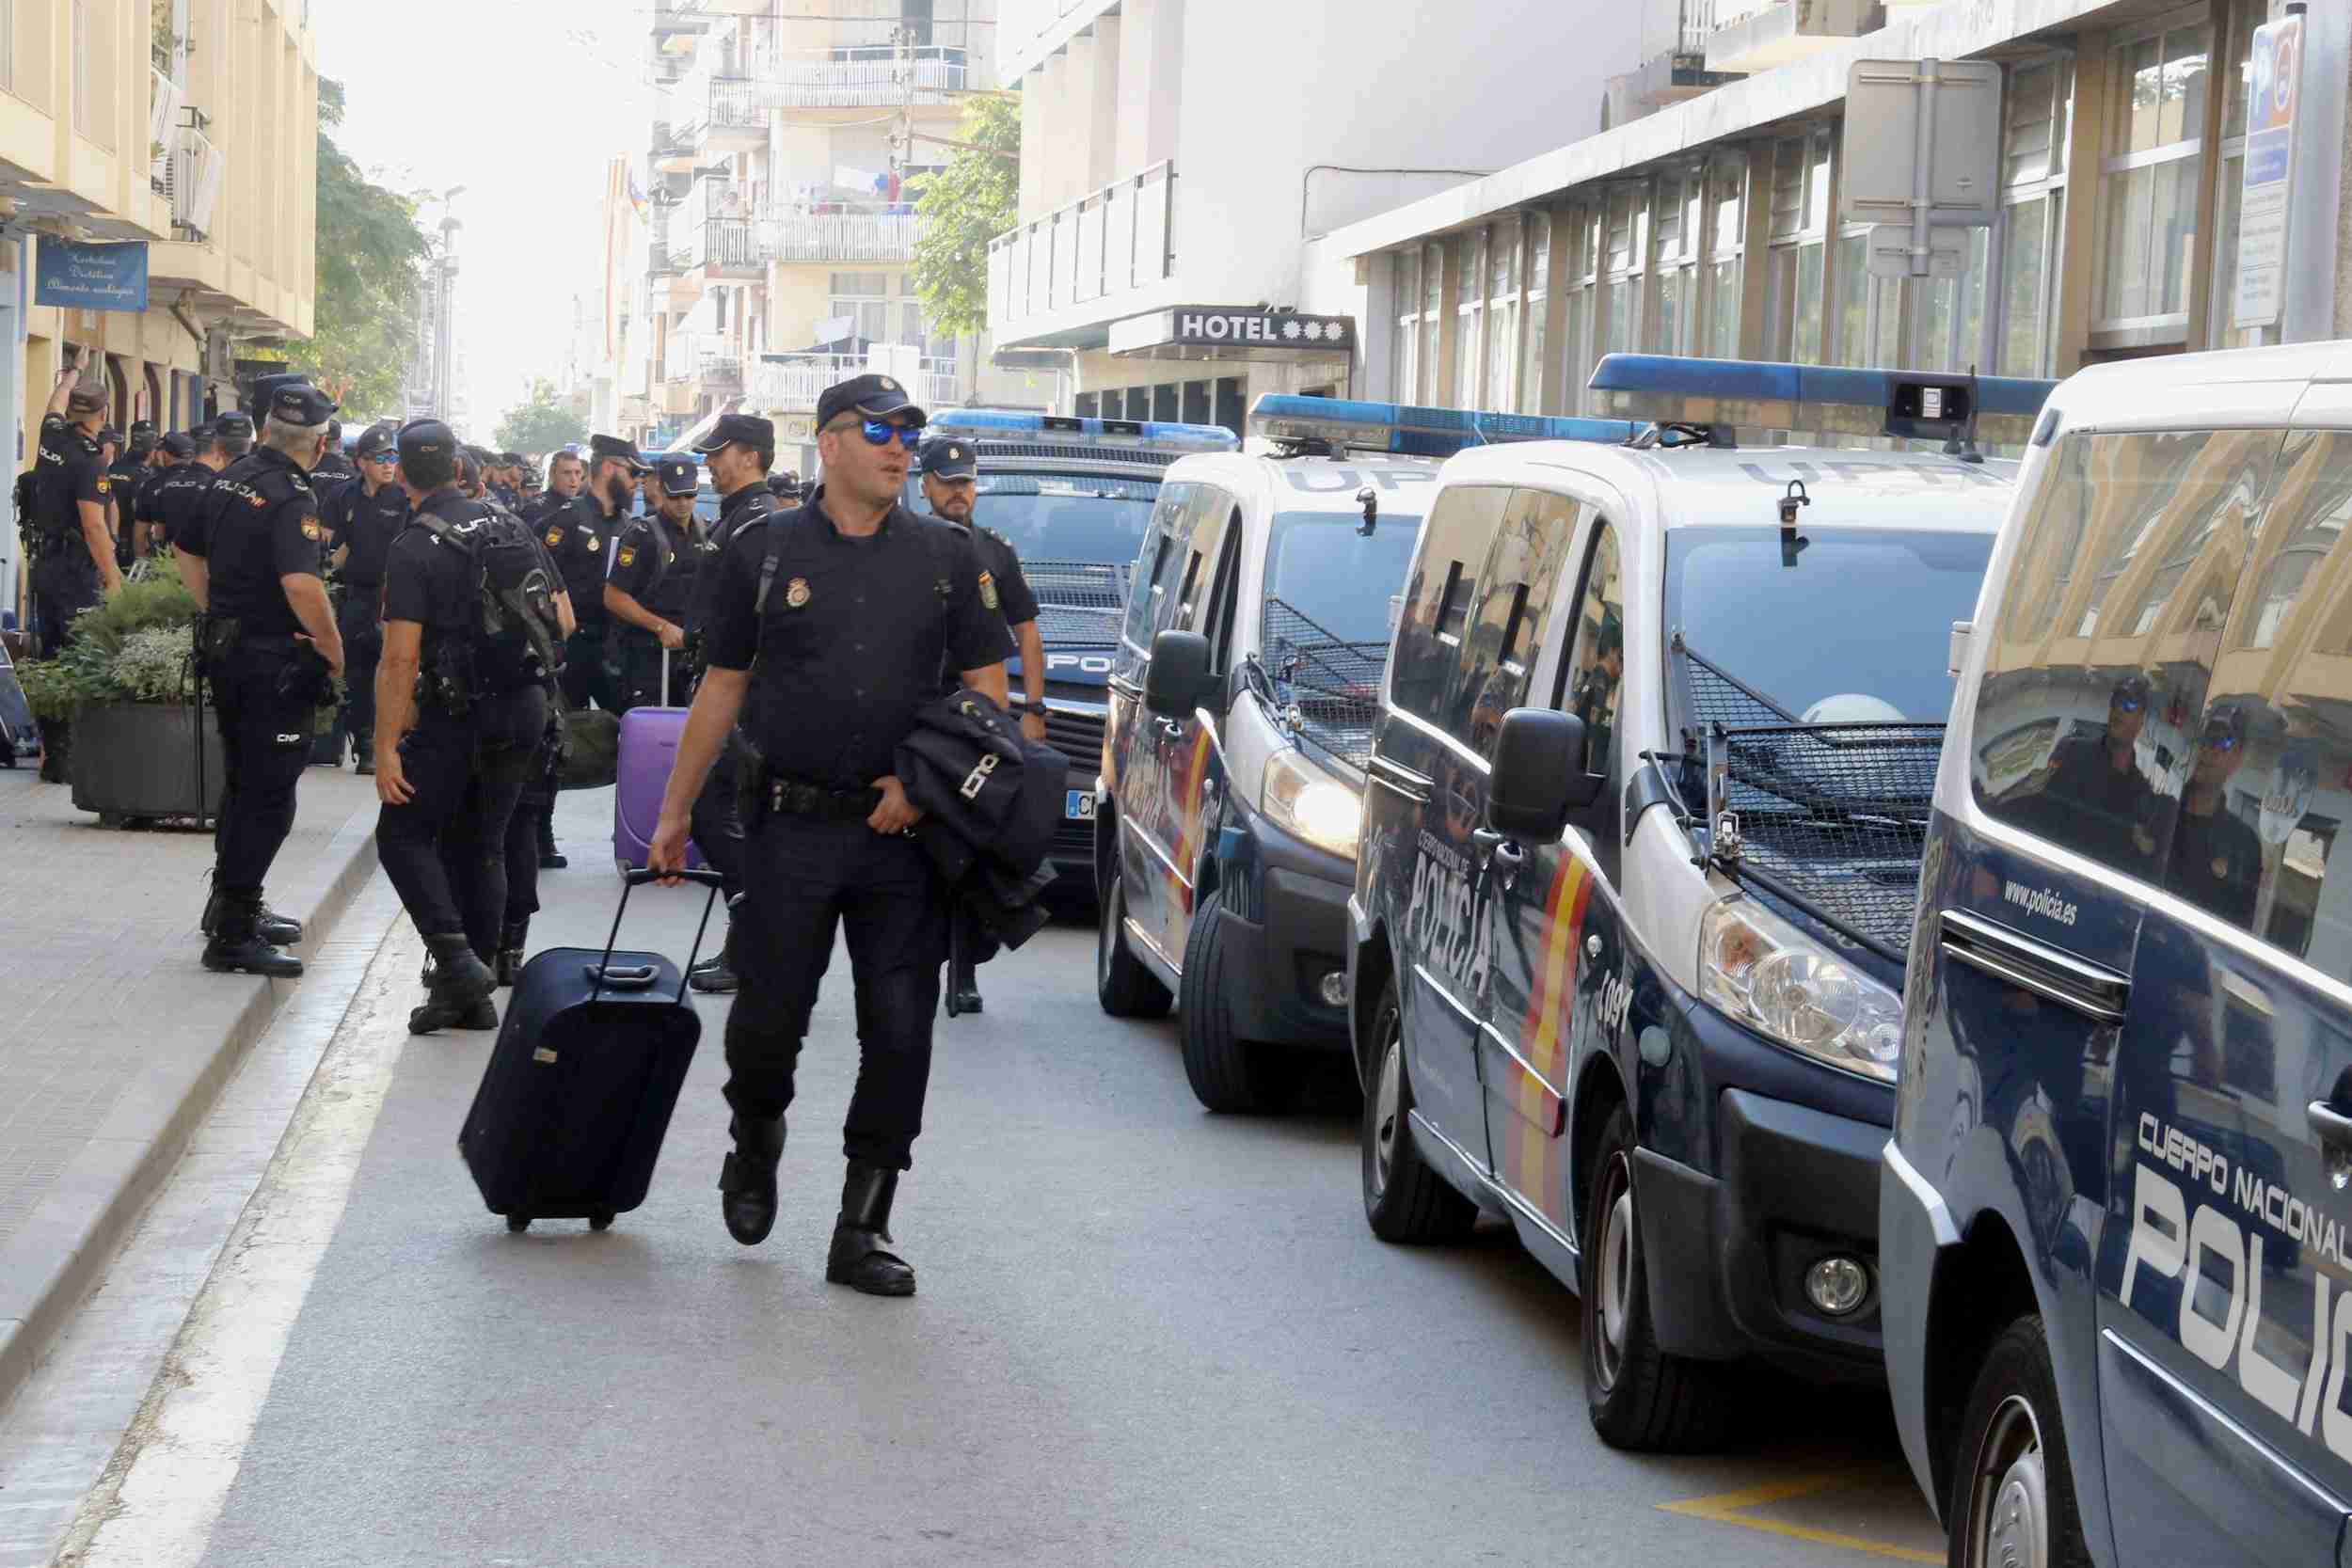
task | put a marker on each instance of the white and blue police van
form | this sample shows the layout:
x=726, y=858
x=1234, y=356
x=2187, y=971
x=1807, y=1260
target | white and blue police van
x=1074, y=496
x=1243, y=693
x=2115, y=1225
x=1637, y=865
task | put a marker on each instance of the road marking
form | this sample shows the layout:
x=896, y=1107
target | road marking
x=162, y=1493
x=1729, y=1508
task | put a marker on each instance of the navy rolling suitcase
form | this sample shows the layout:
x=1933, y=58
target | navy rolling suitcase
x=587, y=1069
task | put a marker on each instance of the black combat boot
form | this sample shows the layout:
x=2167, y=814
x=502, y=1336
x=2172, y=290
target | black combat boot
x=512, y=940
x=550, y=858
x=278, y=930
x=963, y=990
x=235, y=945
x=458, y=988
x=716, y=974
x=857, y=1258
x=747, y=1182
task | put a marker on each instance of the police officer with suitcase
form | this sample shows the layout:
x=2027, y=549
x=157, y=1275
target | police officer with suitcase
x=362, y=520
x=829, y=628
x=480, y=710
x=74, y=564
x=649, y=598
x=580, y=536
x=270, y=651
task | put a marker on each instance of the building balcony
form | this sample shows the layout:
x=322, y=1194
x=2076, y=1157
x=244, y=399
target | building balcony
x=702, y=360
x=791, y=383
x=1749, y=36
x=1674, y=68
x=864, y=79
x=1097, y=250
x=718, y=115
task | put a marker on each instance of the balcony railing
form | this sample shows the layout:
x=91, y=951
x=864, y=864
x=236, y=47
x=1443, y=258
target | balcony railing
x=713, y=232
x=862, y=78
x=193, y=182
x=1120, y=239
x=794, y=381
x=703, y=359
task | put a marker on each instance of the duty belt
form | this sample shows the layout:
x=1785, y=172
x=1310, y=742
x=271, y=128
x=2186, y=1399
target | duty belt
x=792, y=798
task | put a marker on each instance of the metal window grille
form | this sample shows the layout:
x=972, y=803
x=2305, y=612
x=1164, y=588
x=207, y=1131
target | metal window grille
x=1326, y=688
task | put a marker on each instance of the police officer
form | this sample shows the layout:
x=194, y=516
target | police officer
x=183, y=502
x=580, y=536
x=126, y=468
x=270, y=646
x=827, y=671
x=506, y=482
x=568, y=475
x=650, y=596
x=171, y=451
x=951, y=469
x=527, y=487
x=785, y=488
x=334, y=470
x=362, y=519
x=449, y=788
x=739, y=449
x=75, y=565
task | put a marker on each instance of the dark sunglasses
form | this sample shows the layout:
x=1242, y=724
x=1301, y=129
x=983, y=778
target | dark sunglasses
x=2220, y=743
x=879, y=433
x=380, y=457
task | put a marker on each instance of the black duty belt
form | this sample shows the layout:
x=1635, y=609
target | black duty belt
x=784, y=796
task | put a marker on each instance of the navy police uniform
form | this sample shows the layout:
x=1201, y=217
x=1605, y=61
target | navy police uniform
x=129, y=470
x=71, y=470
x=658, y=563
x=363, y=527
x=580, y=536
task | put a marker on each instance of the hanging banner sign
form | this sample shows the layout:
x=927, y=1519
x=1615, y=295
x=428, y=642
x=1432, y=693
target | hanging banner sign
x=2261, y=225
x=90, y=277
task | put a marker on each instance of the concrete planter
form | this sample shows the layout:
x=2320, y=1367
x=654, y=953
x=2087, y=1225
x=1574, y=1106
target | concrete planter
x=135, y=760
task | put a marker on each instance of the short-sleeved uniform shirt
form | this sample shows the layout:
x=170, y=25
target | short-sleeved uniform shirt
x=72, y=470
x=2216, y=865
x=140, y=508
x=848, y=647
x=656, y=563
x=366, y=526
x=333, y=473
x=181, y=503
x=427, y=579
x=736, y=511
x=580, y=537
x=263, y=525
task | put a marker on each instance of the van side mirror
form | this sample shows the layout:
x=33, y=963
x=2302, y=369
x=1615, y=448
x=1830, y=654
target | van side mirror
x=1538, y=775
x=1178, y=679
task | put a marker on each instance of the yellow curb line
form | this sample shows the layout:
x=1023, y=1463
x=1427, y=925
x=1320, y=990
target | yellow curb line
x=1725, y=1508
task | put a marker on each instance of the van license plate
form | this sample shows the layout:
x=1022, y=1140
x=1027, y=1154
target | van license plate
x=1079, y=807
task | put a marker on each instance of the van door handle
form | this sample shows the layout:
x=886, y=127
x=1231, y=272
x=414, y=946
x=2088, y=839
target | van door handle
x=2330, y=1125
x=2098, y=993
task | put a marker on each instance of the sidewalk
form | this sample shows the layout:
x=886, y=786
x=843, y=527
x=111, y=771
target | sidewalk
x=113, y=1041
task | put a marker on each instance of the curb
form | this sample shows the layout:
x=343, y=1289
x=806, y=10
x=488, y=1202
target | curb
x=54, y=1260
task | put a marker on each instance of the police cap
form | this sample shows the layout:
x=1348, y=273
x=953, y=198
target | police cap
x=85, y=399
x=602, y=446
x=749, y=429
x=680, y=476
x=179, y=445
x=234, y=425
x=950, y=457
x=266, y=386
x=109, y=434
x=376, y=439
x=870, y=395
x=510, y=460
x=426, y=438
x=300, y=403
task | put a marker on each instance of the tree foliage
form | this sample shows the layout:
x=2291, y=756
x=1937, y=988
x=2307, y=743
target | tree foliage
x=974, y=199
x=369, y=250
x=541, y=422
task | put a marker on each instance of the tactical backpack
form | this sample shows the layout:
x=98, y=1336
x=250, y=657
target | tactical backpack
x=512, y=644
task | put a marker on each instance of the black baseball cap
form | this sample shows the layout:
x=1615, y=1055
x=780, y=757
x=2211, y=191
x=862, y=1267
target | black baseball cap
x=376, y=439
x=510, y=460
x=85, y=399
x=299, y=402
x=870, y=395
x=179, y=444
x=426, y=438
x=602, y=446
x=749, y=429
x=266, y=386
x=108, y=432
x=680, y=476
x=950, y=457
x=233, y=425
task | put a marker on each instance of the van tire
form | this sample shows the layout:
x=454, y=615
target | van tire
x=2011, y=1472
x=1639, y=1397
x=1227, y=1074
x=1406, y=1200
x=1123, y=987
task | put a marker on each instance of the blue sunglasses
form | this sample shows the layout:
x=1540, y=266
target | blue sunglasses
x=877, y=433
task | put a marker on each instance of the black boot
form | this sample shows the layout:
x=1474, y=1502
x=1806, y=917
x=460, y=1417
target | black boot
x=747, y=1182
x=550, y=858
x=460, y=978
x=857, y=1258
x=963, y=991
x=236, y=946
x=278, y=930
x=716, y=974
x=512, y=940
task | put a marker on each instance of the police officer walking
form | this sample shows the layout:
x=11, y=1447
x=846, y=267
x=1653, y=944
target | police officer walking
x=829, y=628
x=650, y=596
x=580, y=536
x=449, y=789
x=951, y=469
x=270, y=650
x=362, y=519
x=74, y=562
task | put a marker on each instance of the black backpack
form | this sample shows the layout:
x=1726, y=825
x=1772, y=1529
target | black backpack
x=513, y=644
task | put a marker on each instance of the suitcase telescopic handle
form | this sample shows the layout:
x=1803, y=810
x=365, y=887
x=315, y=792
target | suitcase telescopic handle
x=627, y=978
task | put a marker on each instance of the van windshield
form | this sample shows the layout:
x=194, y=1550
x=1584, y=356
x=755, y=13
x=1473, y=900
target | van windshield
x=1858, y=629
x=1322, y=569
x=1056, y=517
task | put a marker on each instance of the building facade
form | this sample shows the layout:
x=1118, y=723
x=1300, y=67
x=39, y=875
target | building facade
x=189, y=127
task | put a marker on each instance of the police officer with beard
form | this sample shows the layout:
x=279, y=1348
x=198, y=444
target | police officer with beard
x=650, y=594
x=362, y=520
x=580, y=536
x=827, y=667
x=75, y=560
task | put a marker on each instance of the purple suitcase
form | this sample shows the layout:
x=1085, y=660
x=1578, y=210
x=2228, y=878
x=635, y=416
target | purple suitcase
x=649, y=737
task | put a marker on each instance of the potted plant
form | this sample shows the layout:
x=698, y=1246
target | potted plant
x=135, y=748
x=51, y=690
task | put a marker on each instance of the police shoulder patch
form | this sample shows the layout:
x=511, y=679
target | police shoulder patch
x=311, y=531
x=625, y=556
x=555, y=536
x=103, y=483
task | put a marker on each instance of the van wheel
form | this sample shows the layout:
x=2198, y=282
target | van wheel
x=1638, y=1396
x=1123, y=987
x=2013, y=1495
x=1227, y=1074
x=1404, y=1200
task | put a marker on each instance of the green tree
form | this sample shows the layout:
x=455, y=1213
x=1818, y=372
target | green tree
x=970, y=202
x=542, y=421
x=369, y=248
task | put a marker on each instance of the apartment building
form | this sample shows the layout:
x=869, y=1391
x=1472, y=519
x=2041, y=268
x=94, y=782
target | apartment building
x=189, y=127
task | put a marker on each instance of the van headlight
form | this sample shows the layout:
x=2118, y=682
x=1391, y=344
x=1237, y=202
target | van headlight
x=1312, y=803
x=1770, y=976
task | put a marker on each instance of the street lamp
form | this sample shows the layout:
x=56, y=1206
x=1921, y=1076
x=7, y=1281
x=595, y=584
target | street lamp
x=444, y=288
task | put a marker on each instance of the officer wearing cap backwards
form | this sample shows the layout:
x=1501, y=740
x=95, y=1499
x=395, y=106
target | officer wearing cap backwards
x=270, y=648
x=362, y=520
x=951, y=469
x=580, y=536
x=827, y=670
x=650, y=594
x=71, y=488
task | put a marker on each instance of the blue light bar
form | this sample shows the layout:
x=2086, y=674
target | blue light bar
x=1766, y=395
x=1076, y=431
x=1407, y=429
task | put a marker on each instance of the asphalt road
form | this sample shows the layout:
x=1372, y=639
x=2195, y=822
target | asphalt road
x=1145, y=1334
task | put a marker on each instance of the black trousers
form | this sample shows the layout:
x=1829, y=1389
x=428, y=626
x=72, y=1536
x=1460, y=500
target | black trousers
x=445, y=848
x=587, y=676
x=523, y=832
x=264, y=745
x=363, y=646
x=637, y=664
x=806, y=879
x=717, y=831
x=65, y=583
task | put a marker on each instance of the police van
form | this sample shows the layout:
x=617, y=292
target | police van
x=1636, y=870
x=2116, y=1230
x=1073, y=497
